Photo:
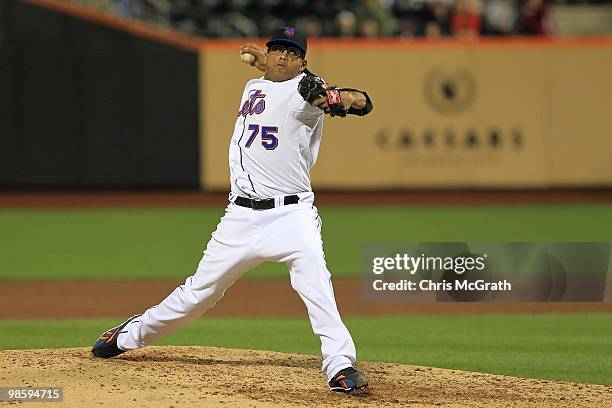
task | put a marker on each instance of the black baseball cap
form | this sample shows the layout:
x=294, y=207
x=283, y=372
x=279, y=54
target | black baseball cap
x=289, y=36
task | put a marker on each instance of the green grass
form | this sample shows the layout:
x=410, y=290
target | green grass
x=167, y=243
x=554, y=347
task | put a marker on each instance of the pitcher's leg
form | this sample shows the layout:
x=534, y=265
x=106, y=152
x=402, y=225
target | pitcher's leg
x=295, y=238
x=311, y=279
x=227, y=256
x=187, y=302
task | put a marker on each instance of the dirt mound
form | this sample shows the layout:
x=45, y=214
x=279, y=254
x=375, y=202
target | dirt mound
x=206, y=376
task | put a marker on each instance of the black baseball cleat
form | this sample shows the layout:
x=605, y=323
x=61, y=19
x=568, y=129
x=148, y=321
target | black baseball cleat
x=350, y=381
x=106, y=345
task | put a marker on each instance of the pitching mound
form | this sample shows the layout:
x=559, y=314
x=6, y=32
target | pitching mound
x=205, y=376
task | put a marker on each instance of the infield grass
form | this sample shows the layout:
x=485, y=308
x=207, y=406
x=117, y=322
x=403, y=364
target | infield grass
x=553, y=347
x=167, y=243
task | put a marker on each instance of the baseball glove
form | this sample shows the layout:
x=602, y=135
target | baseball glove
x=312, y=88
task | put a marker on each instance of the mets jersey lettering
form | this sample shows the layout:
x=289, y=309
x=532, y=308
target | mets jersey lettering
x=255, y=104
x=275, y=142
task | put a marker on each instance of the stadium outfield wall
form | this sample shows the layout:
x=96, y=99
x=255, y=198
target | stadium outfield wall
x=512, y=113
x=92, y=100
x=87, y=104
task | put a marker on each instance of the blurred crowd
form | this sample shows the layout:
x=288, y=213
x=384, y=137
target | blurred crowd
x=346, y=18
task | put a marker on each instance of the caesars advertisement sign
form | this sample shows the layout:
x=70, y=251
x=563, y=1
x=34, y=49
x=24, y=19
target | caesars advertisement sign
x=446, y=116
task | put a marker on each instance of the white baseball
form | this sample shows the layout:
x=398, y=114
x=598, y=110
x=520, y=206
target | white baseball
x=247, y=58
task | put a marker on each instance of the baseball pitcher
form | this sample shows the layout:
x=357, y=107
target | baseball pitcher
x=271, y=215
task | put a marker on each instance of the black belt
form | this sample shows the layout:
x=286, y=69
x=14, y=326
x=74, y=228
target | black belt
x=266, y=204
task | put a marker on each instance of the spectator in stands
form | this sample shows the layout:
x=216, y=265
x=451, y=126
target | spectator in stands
x=435, y=18
x=465, y=19
x=536, y=18
x=500, y=17
x=344, y=18
x=233, y=24
x=369, y=28
x=155, y=11
x=407, y=28
x=376, y=10
x=190, y=17
x=311, y=25
x=433, y=30
x=346, y=24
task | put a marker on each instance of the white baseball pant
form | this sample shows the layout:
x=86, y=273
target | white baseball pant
x=244, y=239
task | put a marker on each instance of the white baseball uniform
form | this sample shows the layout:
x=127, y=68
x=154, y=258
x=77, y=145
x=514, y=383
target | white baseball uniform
x=275, y=143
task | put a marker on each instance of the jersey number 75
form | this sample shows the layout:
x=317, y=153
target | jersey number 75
x=268, y=136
